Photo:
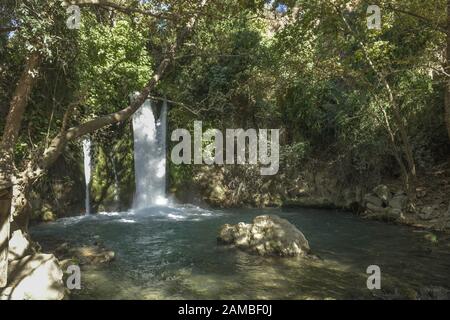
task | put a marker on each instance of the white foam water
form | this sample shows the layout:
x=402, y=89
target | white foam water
x=87, y=172
x=150, y=156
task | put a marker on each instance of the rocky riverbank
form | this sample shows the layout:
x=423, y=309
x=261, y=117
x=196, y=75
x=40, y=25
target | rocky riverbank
x=320, y=185
x=33, y=275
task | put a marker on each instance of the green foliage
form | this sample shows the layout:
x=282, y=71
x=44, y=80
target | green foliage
x=112, y=64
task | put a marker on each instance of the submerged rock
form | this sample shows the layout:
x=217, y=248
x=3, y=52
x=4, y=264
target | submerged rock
x=34, y=277
x=93, y=255
x=431, y=237
x=268, y=235
x=85, y=255
x=434, y=293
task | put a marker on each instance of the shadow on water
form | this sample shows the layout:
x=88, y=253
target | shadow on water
x=168, y=252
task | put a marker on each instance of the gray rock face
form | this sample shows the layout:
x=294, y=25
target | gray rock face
x=374, y=200
x=428, y=212
x=18, y=246
x=268, y=235
x=383, y=193
x=375, y=208
x=398, y=202
x=36, y=277
x=394, y=214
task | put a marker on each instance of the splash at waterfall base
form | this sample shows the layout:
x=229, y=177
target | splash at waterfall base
x=240, y=145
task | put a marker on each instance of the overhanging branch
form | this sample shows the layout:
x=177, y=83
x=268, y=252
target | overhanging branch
x=8, y=29
x=118, y=7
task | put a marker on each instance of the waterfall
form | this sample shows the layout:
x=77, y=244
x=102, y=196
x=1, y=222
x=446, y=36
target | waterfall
x=116, y=182
x=150, y=156
x=87, y=172
x=161, y=130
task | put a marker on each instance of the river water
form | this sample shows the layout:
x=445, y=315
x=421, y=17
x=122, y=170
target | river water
x=171, y=252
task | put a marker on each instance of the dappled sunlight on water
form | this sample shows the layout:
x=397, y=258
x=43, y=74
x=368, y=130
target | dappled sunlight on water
x=170, y=252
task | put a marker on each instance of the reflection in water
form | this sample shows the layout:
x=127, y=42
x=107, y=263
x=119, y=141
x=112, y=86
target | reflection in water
x=171, y=253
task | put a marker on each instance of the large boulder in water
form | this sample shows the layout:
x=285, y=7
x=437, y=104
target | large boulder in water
x=267, y=235
x=34, y=277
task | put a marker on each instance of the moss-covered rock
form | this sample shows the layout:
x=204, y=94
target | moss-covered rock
x=48, y=215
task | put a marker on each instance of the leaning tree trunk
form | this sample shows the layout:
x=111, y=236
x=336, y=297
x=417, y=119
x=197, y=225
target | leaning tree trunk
x=20, y=209
x=13, y=123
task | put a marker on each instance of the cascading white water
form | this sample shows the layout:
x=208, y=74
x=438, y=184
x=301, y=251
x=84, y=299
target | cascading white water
x=150, y=156
x=116, y=181
x=87, y=172
x=161, y=134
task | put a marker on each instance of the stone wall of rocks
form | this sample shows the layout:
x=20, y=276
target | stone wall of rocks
x=389, y=204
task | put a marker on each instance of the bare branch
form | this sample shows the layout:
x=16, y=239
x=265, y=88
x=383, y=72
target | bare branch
x=8, y=29
x=181, y=104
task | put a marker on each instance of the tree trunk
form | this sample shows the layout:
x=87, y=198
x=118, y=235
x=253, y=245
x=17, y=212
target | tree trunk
x=19, y=101
x=5, y=205
x=447, y=71
x=13, y=123
x=409, y=176
x=20, y=206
